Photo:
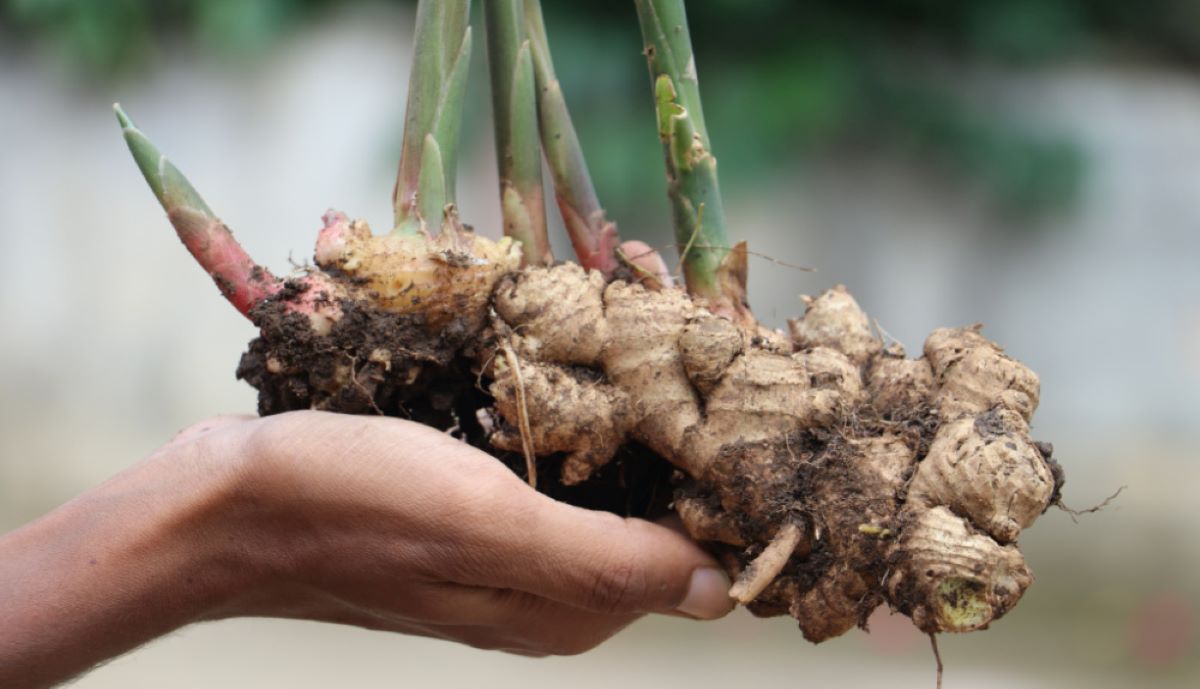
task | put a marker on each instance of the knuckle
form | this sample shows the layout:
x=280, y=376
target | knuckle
x=262, y=445
x=476, y=502
x=619, y=586
x=272, y=447
x=269, y=435
x=283, y=437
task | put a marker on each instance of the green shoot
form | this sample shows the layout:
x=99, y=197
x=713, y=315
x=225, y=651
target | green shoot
x=698, y=214
x=593, y=237
x=514, y=113
x=441, y=56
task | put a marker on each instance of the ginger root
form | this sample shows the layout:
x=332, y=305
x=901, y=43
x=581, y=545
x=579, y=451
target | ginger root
x=828, y=473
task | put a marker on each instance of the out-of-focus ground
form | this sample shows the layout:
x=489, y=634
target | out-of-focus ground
x=111, y=340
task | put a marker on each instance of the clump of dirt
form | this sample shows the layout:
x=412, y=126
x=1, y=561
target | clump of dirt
x=370, y=361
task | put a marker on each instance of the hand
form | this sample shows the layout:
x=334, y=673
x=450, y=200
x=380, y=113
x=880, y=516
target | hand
x=392, y=525
x=375, y=522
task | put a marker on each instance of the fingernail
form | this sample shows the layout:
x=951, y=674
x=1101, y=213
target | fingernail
x=708, y=595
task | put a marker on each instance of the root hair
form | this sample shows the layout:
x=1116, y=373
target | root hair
x=1090, y=510
x=522, y=414
x=937, y=656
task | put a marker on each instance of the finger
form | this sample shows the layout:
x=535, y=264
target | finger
x=601, y=562
x=519, y=622
x=496, y=619
x=356, y=617
x=482, y=526
x=673, y=522
x=450, y=604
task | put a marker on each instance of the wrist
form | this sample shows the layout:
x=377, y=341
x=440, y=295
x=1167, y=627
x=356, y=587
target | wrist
x=166, y=528
x=212, y=533
x=262, y=523
x=136, y=558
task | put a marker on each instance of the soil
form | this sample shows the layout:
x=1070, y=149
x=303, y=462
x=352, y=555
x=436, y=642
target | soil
x=374, y=362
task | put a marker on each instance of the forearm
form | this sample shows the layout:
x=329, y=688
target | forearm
x=126, y=562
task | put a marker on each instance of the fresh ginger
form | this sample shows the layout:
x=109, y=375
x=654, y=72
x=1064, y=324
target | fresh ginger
x=829, y=473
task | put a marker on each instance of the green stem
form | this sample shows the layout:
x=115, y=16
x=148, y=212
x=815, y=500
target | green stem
x=692, y=186
x=437, y=84
x=514, y=112
x=593, y=237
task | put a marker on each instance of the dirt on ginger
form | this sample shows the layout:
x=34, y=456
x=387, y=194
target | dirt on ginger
x=828, y=473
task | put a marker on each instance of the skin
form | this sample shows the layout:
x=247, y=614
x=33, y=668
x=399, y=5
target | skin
x=373, y=522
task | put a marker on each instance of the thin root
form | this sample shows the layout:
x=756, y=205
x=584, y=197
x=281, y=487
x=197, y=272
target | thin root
x=1095, y=508
x=937, y=655
x=767, y=565
x=884, y=334
x=683, y=254
x=522, y=415
x=362, y=388
x=756, y=254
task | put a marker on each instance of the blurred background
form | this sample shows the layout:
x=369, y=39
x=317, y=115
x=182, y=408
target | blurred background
x=1031, y=164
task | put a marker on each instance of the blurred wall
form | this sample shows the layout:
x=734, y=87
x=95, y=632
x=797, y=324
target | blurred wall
x=112, y=340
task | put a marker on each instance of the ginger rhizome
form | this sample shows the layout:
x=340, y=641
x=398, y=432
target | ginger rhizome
x=828, y=472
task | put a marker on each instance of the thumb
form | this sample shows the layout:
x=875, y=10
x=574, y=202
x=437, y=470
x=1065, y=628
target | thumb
x=601, y=562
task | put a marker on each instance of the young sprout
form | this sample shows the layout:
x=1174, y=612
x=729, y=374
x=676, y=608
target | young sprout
x=514, y=113
x=243, y=282
x=438, y=82
x=593, y=236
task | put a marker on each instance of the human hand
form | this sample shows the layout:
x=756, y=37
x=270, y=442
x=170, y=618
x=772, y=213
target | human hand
x=374, y=522
x=388, y=524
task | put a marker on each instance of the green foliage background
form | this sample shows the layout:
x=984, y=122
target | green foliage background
x=784, y=81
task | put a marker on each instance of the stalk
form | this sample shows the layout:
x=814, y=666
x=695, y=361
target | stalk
x=593, y=236
x=514, y=112
x=710, y=269
x=243, y=282
x=437, y=84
